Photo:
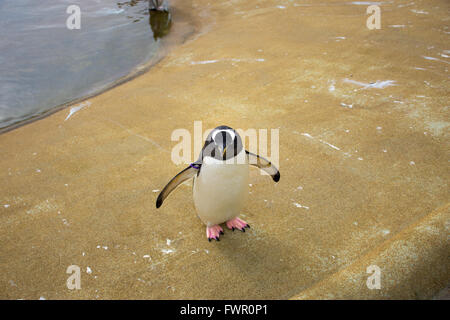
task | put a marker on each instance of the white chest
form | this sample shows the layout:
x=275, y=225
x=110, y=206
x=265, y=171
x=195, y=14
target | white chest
x=220, y=191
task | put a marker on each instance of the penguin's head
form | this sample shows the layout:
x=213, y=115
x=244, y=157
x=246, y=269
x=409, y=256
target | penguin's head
x=222, y=143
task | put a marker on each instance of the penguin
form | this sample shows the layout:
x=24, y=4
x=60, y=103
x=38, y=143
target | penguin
x=221, y=175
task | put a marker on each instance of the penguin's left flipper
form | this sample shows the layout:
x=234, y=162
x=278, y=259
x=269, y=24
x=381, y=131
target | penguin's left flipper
x=181, y=177
x=263, y=164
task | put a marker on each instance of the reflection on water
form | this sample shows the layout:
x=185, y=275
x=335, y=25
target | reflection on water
x=160, y=22
x=139, y=6
x=43, y=64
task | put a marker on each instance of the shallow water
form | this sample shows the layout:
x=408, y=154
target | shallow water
x=43, y=64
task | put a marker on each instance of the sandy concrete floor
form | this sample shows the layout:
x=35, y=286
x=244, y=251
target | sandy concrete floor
x=362, y=167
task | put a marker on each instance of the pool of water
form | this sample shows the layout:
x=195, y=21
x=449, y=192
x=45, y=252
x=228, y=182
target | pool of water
x=44, y=64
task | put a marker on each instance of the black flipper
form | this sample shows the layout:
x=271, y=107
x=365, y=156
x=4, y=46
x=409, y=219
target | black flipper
x=263, y=164
x=181, y=177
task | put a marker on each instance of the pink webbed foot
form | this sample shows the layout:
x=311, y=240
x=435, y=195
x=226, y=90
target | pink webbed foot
x=237, y=223
x=214, y=232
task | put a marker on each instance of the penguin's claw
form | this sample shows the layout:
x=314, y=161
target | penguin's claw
x=237, y=223
x=214, y=232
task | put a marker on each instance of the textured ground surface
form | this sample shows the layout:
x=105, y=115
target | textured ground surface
x=364, y=168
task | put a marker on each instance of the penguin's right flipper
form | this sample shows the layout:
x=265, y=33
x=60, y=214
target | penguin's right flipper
x=181, y=177
x=263, y=164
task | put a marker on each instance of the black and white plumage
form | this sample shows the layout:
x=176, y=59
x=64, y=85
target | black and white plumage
x=221, y=176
